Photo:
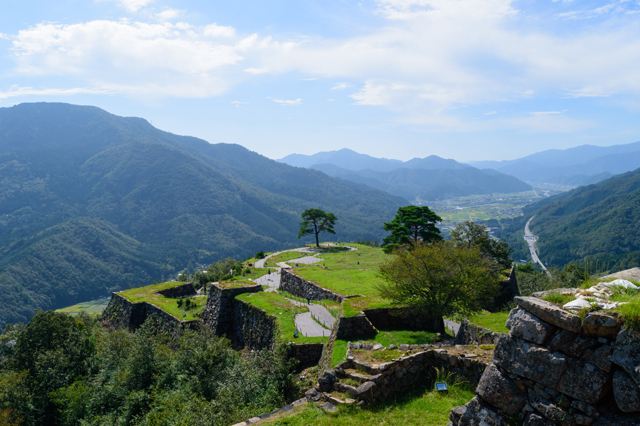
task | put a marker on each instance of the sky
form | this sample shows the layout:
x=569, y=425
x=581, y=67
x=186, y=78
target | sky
x=463, y=79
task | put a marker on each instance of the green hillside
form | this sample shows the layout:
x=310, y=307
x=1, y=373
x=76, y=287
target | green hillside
x=596, y=222
x=92, y=203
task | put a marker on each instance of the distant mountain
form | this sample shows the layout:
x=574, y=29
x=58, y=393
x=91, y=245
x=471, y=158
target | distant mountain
x=92, y=203
x=429, y=178
x=597, y=221
x=430, y=184
x=581, y=165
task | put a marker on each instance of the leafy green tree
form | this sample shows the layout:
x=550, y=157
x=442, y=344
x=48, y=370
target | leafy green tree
x=440, y=278
x=315, y=221
x=411, y=225
x=470, y=234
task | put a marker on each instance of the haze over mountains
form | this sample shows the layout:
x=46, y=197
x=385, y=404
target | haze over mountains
x=429, y=178
x=91, y=203
x=577, y=166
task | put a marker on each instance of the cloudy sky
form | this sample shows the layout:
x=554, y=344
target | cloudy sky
x=463, y=79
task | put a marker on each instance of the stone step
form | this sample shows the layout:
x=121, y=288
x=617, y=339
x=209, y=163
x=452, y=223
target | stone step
x=357, y=375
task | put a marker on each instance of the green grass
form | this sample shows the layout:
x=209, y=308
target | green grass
x=146, y=294
x=559, y=299
x=351, y=273
x=277, y=306
x=385, y=338
x=493, y=321
x=422, y=407
x=330, y=305
x=272, y=262
x=92, y=307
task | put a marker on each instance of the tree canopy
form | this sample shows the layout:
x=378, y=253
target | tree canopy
x=442, y=278
x=412, y=224
x=316, y=221
x=470, y=234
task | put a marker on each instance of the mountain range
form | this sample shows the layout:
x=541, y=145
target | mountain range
x=582, y=165
x=92, y=203
x=593, y=222
x=419, y=179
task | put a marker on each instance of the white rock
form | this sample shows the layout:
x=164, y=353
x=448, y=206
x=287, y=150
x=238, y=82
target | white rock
x=576, y=305
x=620, y=283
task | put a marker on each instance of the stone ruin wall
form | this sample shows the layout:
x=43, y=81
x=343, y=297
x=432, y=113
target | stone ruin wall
x=471, y=334
x=121, y=313
x=185, y=290
x=555, y=369
x=291, y=283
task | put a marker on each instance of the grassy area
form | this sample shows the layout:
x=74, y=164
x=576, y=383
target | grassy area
x=272, y=262
x=330, y=305
x=386, y=338
x=422, y=407
x=493, y=321
x=92, y=307
x=350, y=273
x=146, y=294
x=276, y=305
x=559, y=299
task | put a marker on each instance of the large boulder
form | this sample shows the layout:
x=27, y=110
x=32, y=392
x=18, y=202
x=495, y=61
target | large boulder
x=570, y=343
x=584, y=381
x=625, y=392
x=499, y=391
x=600, y=324
x=479, y=413
x=626, y=353
x=530, y=361
x=535, y=419
x=529, y=327
x=550, y=313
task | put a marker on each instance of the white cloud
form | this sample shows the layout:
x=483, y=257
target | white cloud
x=16, y=91
x=214, y=30
x=294, y=102
x=490, y=113
x=238, y=103
x=132, y=5
x=169, y=14
x=547, y=112
x=331, y=100
x=309, y=79
x=4, y=36
x=256, y=70
x=340, y=86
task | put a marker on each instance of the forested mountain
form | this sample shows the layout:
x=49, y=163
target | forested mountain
x=598, y=221
x=582, y=165
x=430, y=184
x=429, y=178
x=91, y=203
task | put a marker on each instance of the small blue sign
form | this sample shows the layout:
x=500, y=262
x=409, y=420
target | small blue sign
x=441, y=387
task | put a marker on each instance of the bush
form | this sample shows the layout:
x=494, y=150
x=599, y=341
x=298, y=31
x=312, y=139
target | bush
x=260, y=255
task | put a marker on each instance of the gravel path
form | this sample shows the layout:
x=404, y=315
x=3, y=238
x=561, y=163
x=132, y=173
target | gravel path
x=309, y=327
x=272, y=280
x=307, y=260
x=260, y=263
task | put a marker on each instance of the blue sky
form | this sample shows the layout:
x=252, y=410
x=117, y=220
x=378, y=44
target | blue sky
x=463, y=79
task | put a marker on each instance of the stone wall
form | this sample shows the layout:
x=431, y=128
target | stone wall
x=508, y=290
x=387, y=380
x=245, y=325
x=358, y=325
x=295, y=285
x=185, y=290
x=471, y=334
x=121, y=313
x=555, y=369
x=397, y=319
x=307, y=354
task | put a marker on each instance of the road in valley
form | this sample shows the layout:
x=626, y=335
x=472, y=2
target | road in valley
x=531, y=241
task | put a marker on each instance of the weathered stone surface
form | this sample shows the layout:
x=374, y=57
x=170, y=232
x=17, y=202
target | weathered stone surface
x=583, y=420
x=500, y=391
x=590, y=410
x=583, y=381
x=550, y=410
x=625, y=392
x=534, y=419
x=456, y=413
x=600, y=324
x=571, y=344
x=527, y=326
x=365, y=390
x=327, y=380
x=313, y=395
x=481, y=414
x=550, y=313
x=471, y=334
x=530, y=361
x=626, y=353
x=601, y=357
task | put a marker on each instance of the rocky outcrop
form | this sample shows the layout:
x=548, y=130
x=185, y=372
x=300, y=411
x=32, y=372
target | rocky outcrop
x=554, y=369
x=291, y=283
